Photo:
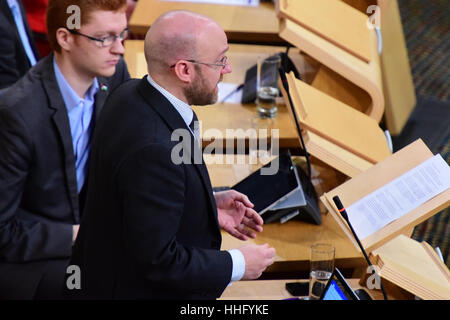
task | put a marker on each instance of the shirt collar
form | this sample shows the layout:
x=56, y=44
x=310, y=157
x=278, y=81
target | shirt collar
x=182, y=107
x=71, y=99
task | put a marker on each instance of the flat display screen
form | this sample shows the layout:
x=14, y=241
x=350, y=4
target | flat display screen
x=338, y=289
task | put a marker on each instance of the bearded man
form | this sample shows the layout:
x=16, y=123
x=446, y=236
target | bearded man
x=151, y=229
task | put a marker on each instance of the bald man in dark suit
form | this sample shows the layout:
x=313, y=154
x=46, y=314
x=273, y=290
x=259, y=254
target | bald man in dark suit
x=151, y=226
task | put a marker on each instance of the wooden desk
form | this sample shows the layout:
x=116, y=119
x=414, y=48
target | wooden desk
x=293, y=239
x=230, y=123
x=292, y=242
x=242, y=24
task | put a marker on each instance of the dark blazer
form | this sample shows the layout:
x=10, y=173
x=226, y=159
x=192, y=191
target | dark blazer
x=38, y=189
x=14, y=61
x=150, y=228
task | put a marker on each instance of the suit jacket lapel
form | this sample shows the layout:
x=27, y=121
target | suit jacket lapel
x=4, y=7
x=198, y=161
x=28, y=30
x=174, y=121
x=61, y=121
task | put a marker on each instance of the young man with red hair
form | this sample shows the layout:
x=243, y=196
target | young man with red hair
x=46, y=122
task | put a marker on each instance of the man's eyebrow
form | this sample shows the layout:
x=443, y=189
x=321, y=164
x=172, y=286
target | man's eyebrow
x=109, y=33
x=224, y=51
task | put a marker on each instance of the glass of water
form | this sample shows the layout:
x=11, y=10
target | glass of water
x=322, y=266
x=267, y=85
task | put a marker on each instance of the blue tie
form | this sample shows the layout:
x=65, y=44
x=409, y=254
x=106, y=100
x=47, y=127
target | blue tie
x=23, y=34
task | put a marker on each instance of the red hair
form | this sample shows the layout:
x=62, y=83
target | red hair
x=57, y=16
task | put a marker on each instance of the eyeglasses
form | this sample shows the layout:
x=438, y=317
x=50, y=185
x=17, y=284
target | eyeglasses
x=105, y=41
x=222, y=63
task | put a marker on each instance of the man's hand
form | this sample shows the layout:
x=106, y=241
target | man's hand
x=257, y=259
x=236, y=215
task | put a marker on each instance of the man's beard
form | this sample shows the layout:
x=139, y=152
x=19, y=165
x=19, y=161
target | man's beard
x=198, y=93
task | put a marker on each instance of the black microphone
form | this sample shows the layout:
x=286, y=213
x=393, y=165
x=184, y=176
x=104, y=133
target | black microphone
x=343, y=213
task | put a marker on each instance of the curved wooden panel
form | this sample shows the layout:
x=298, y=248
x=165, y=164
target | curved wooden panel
x=367, y=76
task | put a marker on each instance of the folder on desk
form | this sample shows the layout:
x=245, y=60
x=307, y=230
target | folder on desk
x=381, y=174
x=413, y=266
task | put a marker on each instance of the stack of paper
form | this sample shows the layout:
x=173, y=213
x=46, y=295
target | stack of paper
x=400, y=196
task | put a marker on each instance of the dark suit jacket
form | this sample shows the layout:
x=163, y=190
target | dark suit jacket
x=38, y=189
x=150, y=228
x=14, y=61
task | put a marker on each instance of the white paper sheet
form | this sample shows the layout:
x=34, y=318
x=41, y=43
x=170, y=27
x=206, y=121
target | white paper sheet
x=251, y=3
x=399, y=197
x=228, y=93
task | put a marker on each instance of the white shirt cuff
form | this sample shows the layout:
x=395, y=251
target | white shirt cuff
x=238, y=264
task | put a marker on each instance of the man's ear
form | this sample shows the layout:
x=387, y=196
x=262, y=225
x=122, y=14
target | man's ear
x=184, y=71
x=65, y=39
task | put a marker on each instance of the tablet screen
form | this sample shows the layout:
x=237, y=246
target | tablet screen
x=265, y=191
x=338, y=289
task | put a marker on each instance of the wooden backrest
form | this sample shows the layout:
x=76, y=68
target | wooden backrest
x=330, y=39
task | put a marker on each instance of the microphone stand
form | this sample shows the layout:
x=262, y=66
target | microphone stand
x=342, y=211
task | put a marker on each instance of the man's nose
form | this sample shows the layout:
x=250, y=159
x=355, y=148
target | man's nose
x=227, y=68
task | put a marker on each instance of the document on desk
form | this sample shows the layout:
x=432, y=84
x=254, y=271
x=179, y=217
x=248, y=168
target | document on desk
x=229, y=92
x=399, y=197
x=250, y=3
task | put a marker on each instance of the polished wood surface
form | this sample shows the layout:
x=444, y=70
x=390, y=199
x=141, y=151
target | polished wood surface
x=339, y=158
x=292, y=242
x=365, y=75
x=338, y=87
x=335, y=21
x=398, y=84
x=230, y=123
x=241, y=23
x=135, y=58
x=276, y=290
x=293, y=239
x=414, y=266
x=337, y=122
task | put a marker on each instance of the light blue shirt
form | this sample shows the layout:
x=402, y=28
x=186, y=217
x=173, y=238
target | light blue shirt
x=80, y=112
x=187, y=114
x=17, y=14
